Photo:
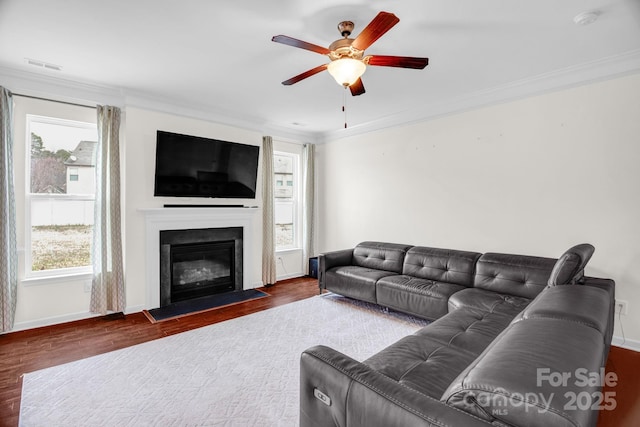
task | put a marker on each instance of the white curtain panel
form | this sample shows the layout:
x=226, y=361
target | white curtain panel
x=308, y=188
x=268, y=217
x=8, y=248
x=108, y=290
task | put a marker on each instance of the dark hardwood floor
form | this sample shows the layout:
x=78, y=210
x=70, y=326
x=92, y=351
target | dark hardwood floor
x=31, y=350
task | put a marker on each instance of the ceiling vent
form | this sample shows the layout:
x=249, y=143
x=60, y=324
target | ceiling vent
x=42, y=64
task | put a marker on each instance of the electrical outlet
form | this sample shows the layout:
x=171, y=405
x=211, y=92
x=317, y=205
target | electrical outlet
x=621, y=307
x=87, y=286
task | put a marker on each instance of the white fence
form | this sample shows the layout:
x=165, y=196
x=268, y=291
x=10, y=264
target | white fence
x=57, y=211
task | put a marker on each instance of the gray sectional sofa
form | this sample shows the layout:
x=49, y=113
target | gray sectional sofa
x=505, y=328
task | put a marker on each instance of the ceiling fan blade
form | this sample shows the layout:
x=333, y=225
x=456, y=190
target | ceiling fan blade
x=302, y=45
x=304, y=75
x=397, y=61
x=357, y=88
x=382, y=23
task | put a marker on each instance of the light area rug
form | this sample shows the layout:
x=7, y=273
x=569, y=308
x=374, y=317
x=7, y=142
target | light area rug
x=242, y=372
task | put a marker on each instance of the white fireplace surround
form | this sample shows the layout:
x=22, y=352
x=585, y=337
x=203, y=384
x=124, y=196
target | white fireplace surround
x=160, y=219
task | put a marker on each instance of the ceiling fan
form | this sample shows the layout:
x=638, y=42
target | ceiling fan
x=348, y=61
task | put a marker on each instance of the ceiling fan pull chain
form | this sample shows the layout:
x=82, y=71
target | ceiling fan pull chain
x=344, y=105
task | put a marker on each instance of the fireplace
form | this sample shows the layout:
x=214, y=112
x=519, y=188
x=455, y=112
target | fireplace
x=199, y=262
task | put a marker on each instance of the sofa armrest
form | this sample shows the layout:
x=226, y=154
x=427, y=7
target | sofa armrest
x=338, y=391
x=332, y=259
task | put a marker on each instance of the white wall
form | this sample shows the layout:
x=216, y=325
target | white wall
x=141, y=127
x=533, y=177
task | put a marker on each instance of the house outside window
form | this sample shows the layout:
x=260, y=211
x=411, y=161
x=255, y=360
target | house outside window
x=286, y=179
x=60, y=197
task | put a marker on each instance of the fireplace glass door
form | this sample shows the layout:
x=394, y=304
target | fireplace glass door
x=200, y=269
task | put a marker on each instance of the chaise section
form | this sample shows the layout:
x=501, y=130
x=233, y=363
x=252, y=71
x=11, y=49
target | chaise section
x=429, y=360
x=429, y=277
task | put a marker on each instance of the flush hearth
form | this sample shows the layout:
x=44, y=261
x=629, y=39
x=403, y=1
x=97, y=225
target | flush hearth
x=199, y=262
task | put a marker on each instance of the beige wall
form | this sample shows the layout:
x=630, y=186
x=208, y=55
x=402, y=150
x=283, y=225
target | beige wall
x=531, y=177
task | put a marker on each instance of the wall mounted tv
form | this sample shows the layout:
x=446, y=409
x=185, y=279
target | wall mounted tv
x=191, y=166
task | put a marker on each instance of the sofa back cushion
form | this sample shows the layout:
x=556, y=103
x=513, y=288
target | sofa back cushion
x=519, y=275
x=380, y=256
x=441, y=265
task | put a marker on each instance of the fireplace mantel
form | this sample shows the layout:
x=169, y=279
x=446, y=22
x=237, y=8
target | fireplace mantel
x=159, y=219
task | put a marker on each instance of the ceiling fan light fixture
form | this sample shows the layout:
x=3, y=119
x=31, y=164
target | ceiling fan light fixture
x=346, y=71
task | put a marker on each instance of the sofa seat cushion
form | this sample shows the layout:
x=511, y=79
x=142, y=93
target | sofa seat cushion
x=421, y=364
x=469, y=330
x=424, y=298
x=488, y=301
x=430, y=359
x=355, y=282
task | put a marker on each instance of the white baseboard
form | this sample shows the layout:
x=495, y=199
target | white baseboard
x=289, y=276
x=134, y=309
x=54, y=320
x=626, y=343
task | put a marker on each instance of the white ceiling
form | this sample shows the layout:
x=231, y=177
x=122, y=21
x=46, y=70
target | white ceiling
x=217, y=57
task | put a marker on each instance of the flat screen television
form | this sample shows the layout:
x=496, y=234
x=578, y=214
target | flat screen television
x=191, y=166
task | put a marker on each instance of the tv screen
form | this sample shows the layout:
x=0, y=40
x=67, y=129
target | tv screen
x=191, y=166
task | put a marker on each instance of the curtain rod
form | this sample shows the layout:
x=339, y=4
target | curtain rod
x=55, y=100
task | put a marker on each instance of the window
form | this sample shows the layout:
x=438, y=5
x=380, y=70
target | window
x=286, y=196
x=60, y=195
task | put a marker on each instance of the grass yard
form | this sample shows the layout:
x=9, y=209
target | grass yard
x=60, y=246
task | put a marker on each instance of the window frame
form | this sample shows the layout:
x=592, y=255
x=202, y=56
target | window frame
x=294, y=200
x=29, y=274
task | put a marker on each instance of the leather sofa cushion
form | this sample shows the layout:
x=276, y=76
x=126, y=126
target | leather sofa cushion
x=430, y=359
x=504, y=383
x=482, y=300
x=421, y=363
x=444, y=265
x=380, y=256
x=519, y=275
x=469, y=330
x=355, y=282
x=586, y=305
x=420, y=297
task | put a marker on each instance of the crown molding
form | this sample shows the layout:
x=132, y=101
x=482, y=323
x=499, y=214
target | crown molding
x=91, y=93
x=48, y=86
x=62, y=89
x=578, y=75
